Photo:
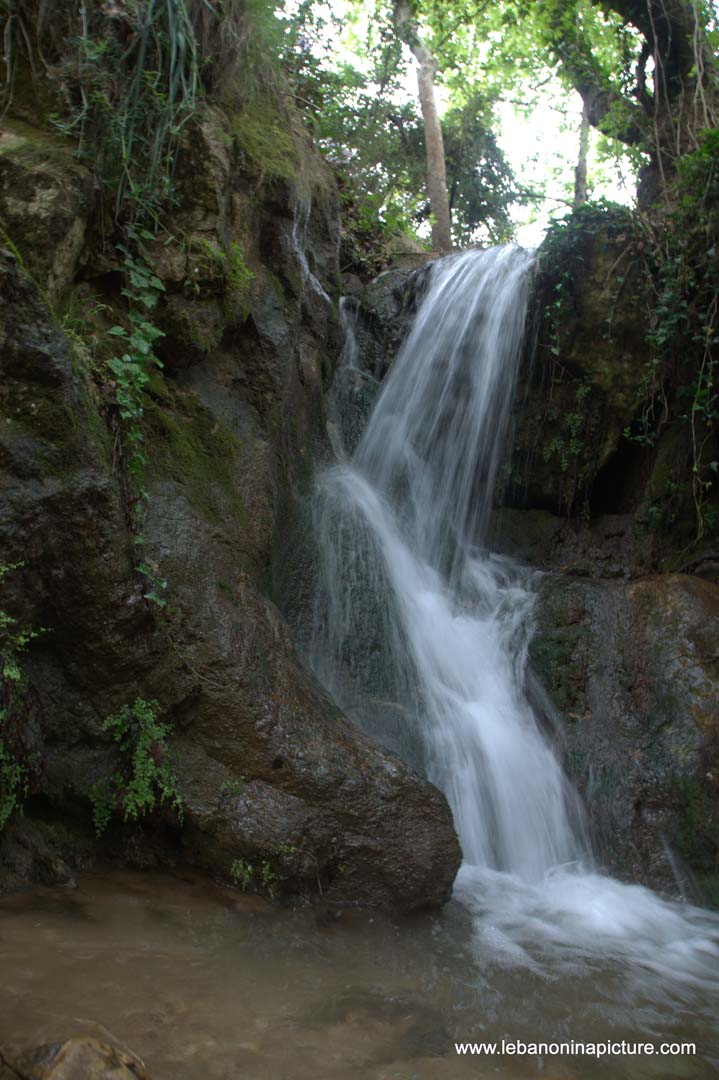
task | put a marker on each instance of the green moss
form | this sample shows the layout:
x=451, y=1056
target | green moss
x=709, y=887
x=275, y=283
x=238, y=275
x=199, y=323
x=186, y=442
x=558, y=650
x=222, y=271
x=264, y=136
x=558, y=664
x=158, y=388
x=697, y=839
x=29, y=146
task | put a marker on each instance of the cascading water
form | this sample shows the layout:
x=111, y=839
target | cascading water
x=421, y=634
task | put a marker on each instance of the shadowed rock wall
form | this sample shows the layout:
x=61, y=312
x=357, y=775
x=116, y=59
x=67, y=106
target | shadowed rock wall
x=270, y=772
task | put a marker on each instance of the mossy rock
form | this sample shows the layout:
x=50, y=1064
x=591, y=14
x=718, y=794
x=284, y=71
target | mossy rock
x=560, y=648
x=45, y=202
x=186, y=442
x=264, y=138
x=584, y=386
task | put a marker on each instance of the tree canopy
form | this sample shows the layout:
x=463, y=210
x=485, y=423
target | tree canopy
x=643, y=73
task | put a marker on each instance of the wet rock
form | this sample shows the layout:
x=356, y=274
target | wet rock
x=76, y=1059
x=580, y=386
x=277, y=782
x=633, y=669
x=382, y=313
x=58, y=493
x=322, y=809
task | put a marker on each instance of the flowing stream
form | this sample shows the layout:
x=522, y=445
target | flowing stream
x=421, y=634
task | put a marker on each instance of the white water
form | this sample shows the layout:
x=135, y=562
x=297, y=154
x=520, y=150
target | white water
x=297, y=237
x=422, y=635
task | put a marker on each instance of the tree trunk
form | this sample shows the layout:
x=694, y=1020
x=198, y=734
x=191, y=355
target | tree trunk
x=580, y=173
x=436, y=167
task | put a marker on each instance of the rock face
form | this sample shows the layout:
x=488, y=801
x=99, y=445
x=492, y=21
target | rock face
x=46, y=198
x=76, y=1059
x=281, y=791
x=625, y=648
x=582, y=381
x=633, y=668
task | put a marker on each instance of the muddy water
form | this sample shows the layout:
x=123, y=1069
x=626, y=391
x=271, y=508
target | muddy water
x=207, y=984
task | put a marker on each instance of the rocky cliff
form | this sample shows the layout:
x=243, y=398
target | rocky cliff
x=598, y=495
x=156, y=601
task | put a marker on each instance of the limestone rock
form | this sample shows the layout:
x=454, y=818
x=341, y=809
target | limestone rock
x=77, y=1059
x=45, y=202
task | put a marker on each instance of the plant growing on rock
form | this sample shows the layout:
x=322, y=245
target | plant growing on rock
x=223, y=268
x=133, y=368
x=14, y=640
x=148, y=777
x=246, y=872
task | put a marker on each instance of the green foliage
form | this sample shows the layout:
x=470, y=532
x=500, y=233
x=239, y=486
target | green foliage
x=132, y=369
x=127, y=78
x=14, y=778
x=374, y=136
x=564, y=250
x=14, y=639
x=148, y=778
x=247, y=872
x=135, y=84
x=257, y=873
x=371, y=226
x=598, y=215
x=262, y=134
x=231, y=789
x=571, y=440
x=241, y=872
x=103, y=797
x=480, y=182
x=680, y=377
x=156, y=585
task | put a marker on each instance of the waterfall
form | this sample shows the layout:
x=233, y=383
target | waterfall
x=422, y=634
x=298, y=242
